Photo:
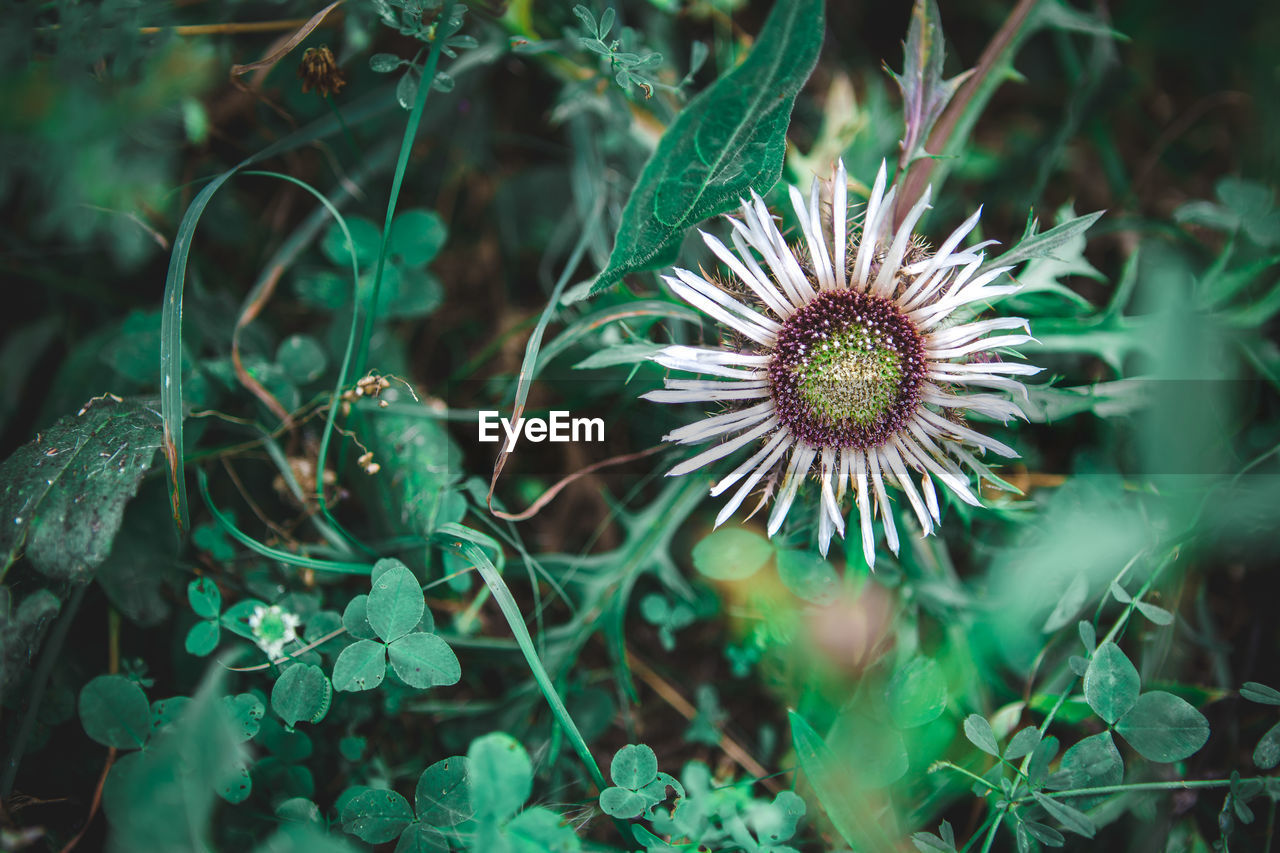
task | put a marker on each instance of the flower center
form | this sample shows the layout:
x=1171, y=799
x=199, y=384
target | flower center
x=846, y=371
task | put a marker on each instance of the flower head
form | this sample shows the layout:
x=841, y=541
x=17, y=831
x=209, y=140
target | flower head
x=859, y=360
x=273, y=628
x=319, y=70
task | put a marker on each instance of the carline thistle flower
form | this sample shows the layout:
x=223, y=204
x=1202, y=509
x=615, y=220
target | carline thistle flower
x=852, y=359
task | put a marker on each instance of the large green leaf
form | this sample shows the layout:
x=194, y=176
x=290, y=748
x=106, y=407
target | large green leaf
x=501, y=776
x=1110, y=683
x=1164, y=727
x=424, y=660
x=729, y=139
x=63, y=495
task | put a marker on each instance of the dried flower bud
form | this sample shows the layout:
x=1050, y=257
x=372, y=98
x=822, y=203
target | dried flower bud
x=319, y=69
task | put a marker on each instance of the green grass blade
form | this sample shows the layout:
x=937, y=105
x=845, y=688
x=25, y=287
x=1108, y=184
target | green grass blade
x=472, y=545
x=175, y=279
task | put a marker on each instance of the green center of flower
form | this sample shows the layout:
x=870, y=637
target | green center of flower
x=271, y=628
x=846, y=371
x=853, y=377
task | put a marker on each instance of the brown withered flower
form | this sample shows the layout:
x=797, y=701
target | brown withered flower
x=319, y=69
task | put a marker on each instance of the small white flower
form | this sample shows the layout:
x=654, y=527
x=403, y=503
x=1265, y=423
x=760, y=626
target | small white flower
x=850, y=359
x=273, y=628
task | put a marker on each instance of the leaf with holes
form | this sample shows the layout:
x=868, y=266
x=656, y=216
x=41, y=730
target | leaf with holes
x=424, y=660
x=361, y=666
x=301, y=693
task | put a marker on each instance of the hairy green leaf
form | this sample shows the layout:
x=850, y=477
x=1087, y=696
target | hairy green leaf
x=729, y=139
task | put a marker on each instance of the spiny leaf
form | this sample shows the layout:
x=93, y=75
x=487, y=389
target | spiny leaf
x=924, y=93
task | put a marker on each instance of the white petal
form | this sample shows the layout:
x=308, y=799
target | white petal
x=698, y=300
x=884, y=282
x=828, y=494
x=722, y=450
x=700, y=431
x=977, y=346
x=689, y=395
x=709, y=362
x=801, y=459
x=812, y=241
x=987, y=404
x=890, y=455
x=936, y=425
x=775, y=449
x=727, y=302
x=953, y=239
x=742, y=243
x=752, y=278
x=867, y=241
x=863, y=499
x=840, y=220
x=995, y=367
x=790, y=269
x=966, y=332
x=923, y=458
x=748, y=466
x=886, y=510
x=751, y=232
x=815, y=222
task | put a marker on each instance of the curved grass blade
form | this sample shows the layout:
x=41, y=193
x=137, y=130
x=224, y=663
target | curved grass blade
x=473, y=545
x=730, y=138
x=266, y=550
x=175, y=279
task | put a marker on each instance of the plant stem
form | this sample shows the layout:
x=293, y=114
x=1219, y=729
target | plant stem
x=1177, y=785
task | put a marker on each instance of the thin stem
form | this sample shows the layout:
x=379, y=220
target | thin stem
x=991, y=833
x=346, y=131
x=1177, y=785
x=974, y=776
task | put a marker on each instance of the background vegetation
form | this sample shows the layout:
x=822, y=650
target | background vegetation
x=254, y=597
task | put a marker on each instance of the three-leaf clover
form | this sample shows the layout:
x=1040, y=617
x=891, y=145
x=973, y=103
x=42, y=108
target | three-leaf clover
x=383, y=623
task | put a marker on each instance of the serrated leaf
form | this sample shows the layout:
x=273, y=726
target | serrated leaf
x=924, y=93
x=424, y=660
x=407, y=89
x=301, y=693
x=1044, y=245
x=395, y=601
x=114, y=712
x=1163, y=727
x=729, y=139
x=1110, y=683
x=382, y=63
x=63, y=495
x=1071, y=818
x=355, y=618
x=361, y=666
x=980, y=734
